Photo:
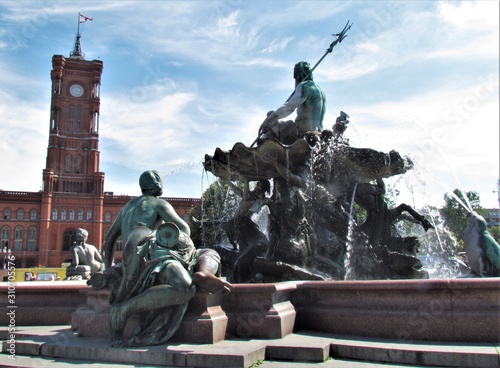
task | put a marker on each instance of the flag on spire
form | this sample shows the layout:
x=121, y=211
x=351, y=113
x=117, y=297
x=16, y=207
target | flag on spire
x=84, y=18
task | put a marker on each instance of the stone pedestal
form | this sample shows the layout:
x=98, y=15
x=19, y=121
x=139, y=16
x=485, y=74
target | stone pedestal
x=204, y=321
x=92, y=319
x=261, y=310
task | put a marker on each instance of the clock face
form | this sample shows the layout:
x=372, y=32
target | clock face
x=76, y=90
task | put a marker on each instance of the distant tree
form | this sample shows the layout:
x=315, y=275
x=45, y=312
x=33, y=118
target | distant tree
x=495, y=230
x=495, y=233
x=456, y=216
x=218, y=203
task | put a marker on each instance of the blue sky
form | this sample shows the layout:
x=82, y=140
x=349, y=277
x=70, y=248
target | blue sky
x=184, y=77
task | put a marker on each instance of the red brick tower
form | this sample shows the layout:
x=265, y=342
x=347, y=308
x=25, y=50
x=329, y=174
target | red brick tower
x=72, y=183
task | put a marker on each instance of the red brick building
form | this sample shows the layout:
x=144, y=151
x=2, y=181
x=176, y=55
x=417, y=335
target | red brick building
x=39, y=227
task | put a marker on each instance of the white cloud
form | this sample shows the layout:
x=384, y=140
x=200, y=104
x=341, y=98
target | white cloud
x=145, y=130
x=470, y=15
x=24, y=142
x=277, y=45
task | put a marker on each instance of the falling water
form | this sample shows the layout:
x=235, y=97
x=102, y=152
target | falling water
x=219, y=196
x=261, y=218
x=436, y=232
x=180, y=168
x=438, y=247
x=349, y=275
x=256, y=165
x=449, y=190
x=469, y=206
x=287, y=165
x=202, y=206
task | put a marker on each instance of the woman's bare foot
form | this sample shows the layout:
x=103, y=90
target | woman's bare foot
x=212, y=283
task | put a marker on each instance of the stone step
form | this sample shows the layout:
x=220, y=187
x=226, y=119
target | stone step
x=316, y=347
x=299, y=348
x=60, y=342
x=41, y=362
x=440, y=354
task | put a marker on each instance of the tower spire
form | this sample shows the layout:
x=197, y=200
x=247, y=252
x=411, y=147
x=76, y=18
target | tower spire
x=77, y=49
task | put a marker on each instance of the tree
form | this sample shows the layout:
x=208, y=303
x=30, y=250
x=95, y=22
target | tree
x=218, y=203
x=495, y=233
x=455, y=215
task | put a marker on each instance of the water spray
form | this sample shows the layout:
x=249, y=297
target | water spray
x=448, y=189
x=458, y=182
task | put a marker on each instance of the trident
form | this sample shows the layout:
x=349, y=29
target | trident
x=340, y=36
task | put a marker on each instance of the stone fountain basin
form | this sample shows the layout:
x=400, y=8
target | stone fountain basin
x=458, y=310
x=349, y=163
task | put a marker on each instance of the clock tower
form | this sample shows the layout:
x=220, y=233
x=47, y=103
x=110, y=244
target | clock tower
x=72, y=183
x=73, y=152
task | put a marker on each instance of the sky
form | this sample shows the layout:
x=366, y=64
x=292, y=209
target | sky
x=182, y=78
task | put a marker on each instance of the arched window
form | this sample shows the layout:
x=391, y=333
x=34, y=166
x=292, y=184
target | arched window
x=119, y=244
x=18, y=238
x=69, y=238
x=68, y=163
x=53, y=124
x=54, y=214
x=5, y=238
x=33, y=215
x=63, y=215
x=89, y=215
x=80, y=215
x=32, y=244
x=78, y=164
x=78, y=118
x=72, y=215
x=71, y=118
x=107, y=217
x=20, y=214
x=6, y=214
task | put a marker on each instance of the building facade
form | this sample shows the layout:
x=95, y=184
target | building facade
x=492, y=216
x=39, y=227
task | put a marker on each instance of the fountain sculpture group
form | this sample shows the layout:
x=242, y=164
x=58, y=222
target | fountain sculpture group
x=316, y=176
x=315, y=182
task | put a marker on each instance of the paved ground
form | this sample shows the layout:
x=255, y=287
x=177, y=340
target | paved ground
x=37, y=362
x=58, y=346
